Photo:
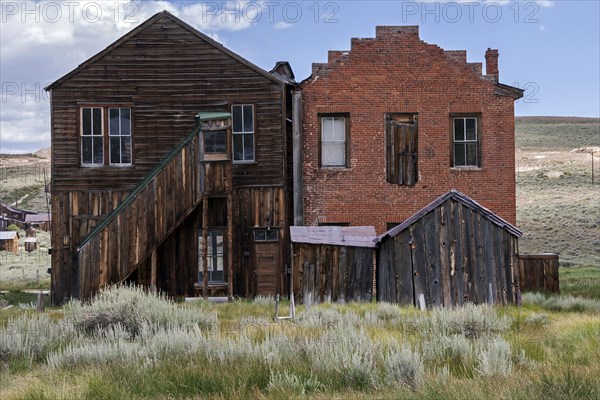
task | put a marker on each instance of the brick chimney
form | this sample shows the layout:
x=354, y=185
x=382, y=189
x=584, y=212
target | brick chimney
x=491, y=63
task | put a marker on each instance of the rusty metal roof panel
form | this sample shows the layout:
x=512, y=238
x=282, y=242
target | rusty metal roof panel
x=352, y=236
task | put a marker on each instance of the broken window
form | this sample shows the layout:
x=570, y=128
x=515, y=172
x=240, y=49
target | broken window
x=92, y=141
x=466, y=137
x=334, y=132
x=402, y=149
x=119, y=132
x=243, y=132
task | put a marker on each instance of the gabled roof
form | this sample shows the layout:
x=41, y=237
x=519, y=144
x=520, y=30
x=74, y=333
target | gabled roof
x=9, y=235
x=155, y=18
x=37, y=218
x=353, y=236
x=460, y=198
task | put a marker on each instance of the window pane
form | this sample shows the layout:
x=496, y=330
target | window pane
x=126, y=150
x=248, y=119
x=260, y=236
x=125, y=121
x=459, y=129
x=333, y=153
x=97, y=122
x=326, y=128
x=98, y=152
x=87, y=121
x=249, y=147
x=238, y=147
x=471, y=154
x=86, y=150
x=272, y=234
x=339, y=128
x=459, y=154
x=214, y=142
x=471, y=128
x=115, y=150
x=113, y=121
x=237, y=118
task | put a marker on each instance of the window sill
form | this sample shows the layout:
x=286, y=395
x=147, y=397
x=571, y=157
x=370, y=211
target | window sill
x=245, y=162
x=107, y=166
x=468, y=168
x=334, y=168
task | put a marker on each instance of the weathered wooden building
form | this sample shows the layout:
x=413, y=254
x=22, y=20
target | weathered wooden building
x=332, y=263
x=9, y=241
x=451, y=252
x=171, y=163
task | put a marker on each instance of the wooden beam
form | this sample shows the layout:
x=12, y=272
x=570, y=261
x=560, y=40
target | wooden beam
x=229, y=247
x=205, y=247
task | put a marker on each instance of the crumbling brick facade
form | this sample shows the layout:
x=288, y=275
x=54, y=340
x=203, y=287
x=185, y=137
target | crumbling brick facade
x=396, y=72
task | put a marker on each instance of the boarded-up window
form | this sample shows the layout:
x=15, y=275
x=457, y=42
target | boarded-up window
x=92, y=143
x=334, y=139
x=465, y=141
x=402, y=149
x=119, y=132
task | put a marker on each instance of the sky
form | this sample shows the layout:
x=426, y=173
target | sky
x=549, y=48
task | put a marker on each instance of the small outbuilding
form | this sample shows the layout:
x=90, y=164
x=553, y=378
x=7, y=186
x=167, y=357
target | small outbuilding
x=332, y=263
x=30, y=244
x=9, y=241
x=39, y=221
x=451, y=252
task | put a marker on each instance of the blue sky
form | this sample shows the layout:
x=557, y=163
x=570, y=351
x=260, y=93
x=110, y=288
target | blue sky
x=549, y=48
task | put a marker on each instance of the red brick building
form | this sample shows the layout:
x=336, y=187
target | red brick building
x=395, y=122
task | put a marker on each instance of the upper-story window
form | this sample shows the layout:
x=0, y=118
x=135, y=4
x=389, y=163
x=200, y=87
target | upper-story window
x=92, y=137
x=334, y=135
x=119, y=132
x=105, y=143
x=243, y=132
x=466, y=149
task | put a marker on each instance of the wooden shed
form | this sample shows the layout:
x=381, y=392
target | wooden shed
x=30, y=244
x=451, y=252
x=332, y=263
x=9, y=241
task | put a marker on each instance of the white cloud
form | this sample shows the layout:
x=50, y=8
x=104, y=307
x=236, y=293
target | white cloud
x=545, y=3
x=283, y=25
x=42, y=41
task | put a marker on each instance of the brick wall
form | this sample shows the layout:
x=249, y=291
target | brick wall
x=396, y=72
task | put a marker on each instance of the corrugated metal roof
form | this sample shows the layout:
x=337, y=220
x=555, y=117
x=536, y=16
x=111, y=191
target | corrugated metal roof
x=8, y=235
x=353, y=236
x=31, y=240
x=210, y=115
x=462, y=199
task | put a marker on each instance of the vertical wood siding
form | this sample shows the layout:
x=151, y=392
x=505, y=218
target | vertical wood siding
x=450, y=256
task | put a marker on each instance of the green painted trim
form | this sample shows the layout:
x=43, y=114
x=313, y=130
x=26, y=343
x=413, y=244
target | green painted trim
x=203, y=116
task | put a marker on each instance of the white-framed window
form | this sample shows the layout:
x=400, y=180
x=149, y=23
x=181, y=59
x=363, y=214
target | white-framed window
x=119, y=133
x=466, y=142
x=243, y=132
x=105, y=135
x=334, y=140
x=92, y=136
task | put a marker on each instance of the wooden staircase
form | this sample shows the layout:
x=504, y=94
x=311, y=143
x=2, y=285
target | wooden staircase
x=175, y=188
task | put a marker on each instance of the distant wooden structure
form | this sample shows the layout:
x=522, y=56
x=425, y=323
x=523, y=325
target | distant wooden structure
x=332, y=263
x=9, y=241
x=39, y=221
x=539, y=272
x=30, y=244
x=451, y=252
